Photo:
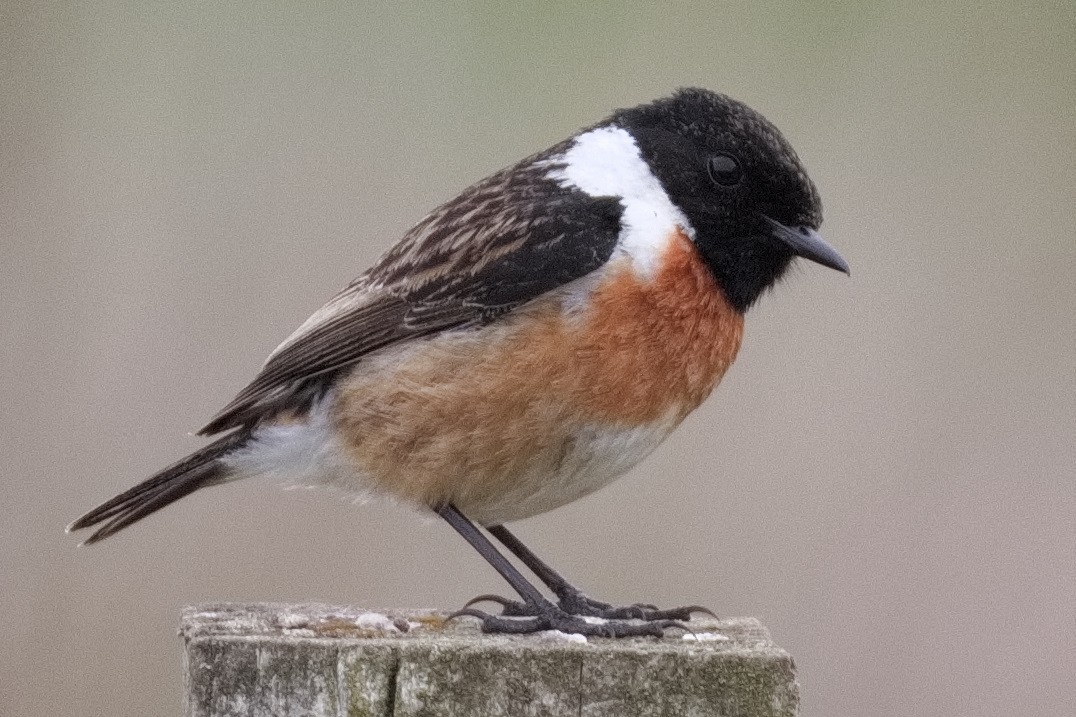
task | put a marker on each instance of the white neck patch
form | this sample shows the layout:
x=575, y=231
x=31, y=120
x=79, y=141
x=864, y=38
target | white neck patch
x=606, y=162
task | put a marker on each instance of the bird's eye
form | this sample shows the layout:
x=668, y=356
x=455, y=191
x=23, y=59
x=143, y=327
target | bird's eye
x=724, y=170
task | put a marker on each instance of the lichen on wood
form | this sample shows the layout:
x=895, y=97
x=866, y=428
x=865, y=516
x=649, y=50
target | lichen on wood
x=315, y=660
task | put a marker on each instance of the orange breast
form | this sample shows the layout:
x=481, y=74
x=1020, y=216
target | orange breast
x=470, y=417
x=648, y=347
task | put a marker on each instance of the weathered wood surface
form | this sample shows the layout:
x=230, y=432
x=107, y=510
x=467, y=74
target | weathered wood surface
x=267, y=659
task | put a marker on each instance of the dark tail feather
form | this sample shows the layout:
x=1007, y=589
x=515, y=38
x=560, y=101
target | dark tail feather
x=197, y=470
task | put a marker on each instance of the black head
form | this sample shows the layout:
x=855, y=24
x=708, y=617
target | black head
x=739, y=183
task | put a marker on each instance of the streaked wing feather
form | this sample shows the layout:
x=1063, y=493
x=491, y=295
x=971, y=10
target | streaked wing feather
x=501, y=243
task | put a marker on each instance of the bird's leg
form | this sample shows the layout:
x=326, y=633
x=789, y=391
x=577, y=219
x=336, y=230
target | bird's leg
x=571, y=599
x=532, y=598
x=535, y=613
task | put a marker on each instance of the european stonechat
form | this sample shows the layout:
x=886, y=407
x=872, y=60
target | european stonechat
x=529, y=341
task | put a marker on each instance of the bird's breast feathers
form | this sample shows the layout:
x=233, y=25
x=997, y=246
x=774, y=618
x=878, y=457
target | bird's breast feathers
x=550, y=403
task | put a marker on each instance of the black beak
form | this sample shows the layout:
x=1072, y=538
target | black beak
x=805, y=242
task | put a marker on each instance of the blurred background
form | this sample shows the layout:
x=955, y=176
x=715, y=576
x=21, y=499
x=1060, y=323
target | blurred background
x=885, y=478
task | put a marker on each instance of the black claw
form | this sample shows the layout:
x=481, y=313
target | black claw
x=467, y=612
x=503, y=602
x=485, y=598
x=677, y=625
x=509, y=608
x=700, y=609
x=497, y=624
x=676, y=613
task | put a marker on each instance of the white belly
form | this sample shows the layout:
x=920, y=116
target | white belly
x=308, y=454
x=594, y=458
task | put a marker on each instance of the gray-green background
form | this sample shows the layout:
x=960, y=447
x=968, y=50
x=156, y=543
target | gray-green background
x=886, y=477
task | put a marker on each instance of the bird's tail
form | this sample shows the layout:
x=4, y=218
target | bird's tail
x=201, y=468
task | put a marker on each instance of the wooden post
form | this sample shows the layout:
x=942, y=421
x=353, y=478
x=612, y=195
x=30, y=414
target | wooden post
x=314, y=660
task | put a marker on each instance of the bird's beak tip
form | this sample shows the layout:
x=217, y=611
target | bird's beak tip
x=805, y=242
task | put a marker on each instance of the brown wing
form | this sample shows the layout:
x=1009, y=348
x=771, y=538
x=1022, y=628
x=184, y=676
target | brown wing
x=501, y=243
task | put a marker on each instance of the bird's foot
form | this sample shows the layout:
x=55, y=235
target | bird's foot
x=525, y=619
x=574, y=602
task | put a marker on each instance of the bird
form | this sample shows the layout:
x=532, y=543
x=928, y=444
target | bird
x=528, y=342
